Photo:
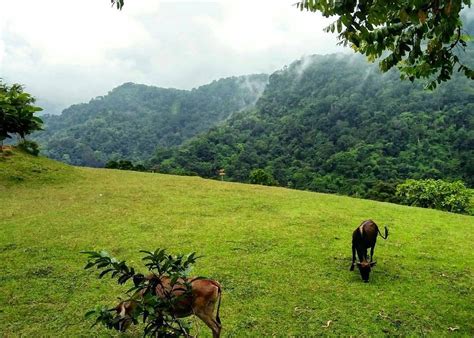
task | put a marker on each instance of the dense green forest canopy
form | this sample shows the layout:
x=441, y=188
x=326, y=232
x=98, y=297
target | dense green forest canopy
x=335, y=124
x=133, y=119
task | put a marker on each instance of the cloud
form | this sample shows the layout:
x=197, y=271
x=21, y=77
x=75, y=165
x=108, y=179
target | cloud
x=66, y=51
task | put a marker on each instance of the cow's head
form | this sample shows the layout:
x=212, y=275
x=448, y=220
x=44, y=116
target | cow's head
x=364, y=269
x=124, y=314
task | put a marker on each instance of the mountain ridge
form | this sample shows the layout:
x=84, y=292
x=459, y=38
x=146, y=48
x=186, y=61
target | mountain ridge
x=132, y=119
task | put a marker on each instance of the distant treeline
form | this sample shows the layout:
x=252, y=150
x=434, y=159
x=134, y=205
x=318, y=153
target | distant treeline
x=125, y=165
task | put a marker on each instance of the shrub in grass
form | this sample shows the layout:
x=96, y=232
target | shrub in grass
x=30, y=147
x=124, y=165
x=154, y=311
x=260, y=176
x=435, y=194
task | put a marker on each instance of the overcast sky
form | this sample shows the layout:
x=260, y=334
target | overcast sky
x=69, y=51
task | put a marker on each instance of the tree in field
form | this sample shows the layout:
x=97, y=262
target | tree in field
x=422, y=38
x=17, y=112
x=5, y=122
x=6, y=117
x=260, y=176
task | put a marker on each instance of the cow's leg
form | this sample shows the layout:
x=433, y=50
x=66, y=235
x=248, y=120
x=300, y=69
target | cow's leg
x=353, y=257
x=211, y=323
x=372, y=253
x=206, y=313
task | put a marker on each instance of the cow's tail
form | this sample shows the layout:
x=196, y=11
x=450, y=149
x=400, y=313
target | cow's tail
x=219, y=295
x=386, y=233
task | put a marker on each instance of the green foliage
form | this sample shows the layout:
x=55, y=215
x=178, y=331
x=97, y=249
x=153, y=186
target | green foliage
x=17, y=112
x=132, y=120
x=420, y=37
x=335, y=124
x=154, y=310
x=383, y=191
x=29, y=147
x=102, y=260
x=124, y=165
x=118, y=3
x=435, y=194
x=260, y=176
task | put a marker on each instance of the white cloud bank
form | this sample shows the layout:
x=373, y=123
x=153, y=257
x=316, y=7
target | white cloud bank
x=67, y=51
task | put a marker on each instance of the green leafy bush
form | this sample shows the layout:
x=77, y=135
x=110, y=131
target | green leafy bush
x=435, y=194
x=30, y=147
x=124, y=165
x=155, y=311
x=260, y=176
x=383, y=191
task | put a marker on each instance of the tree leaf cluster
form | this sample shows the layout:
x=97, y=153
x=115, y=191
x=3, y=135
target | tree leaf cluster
x=17, y=112
x=423, y=38
x=108, y=264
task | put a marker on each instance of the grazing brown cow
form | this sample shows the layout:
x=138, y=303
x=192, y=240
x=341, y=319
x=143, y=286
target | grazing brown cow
x=364, y=237
x=201, y=302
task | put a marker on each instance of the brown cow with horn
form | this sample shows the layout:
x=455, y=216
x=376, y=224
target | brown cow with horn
x=205, y=293
x=364, y=237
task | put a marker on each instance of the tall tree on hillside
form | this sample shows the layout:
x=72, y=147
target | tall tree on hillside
x=6, y=118
x=17, y=112
x=420, y=37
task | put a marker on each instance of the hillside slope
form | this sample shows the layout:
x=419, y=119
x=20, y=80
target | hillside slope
x=19, y=168
x=335, y=124
x=281, y=255
x=133, y=119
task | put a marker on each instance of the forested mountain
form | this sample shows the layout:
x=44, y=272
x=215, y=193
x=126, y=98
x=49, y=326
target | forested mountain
x=132, y=120
x=335, y=124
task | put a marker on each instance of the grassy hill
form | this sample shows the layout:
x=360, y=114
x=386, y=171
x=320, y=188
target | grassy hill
x=282, y=255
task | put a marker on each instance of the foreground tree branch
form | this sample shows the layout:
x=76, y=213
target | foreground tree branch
x=421, y=38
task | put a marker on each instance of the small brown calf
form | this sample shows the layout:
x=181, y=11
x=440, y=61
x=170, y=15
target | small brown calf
x=364, y=237
x=205, y=293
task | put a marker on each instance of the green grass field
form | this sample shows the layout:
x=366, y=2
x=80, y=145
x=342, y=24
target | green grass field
x=281, y=255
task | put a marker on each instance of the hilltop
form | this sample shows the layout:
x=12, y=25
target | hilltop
x=281, y=255
x=133, y=119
